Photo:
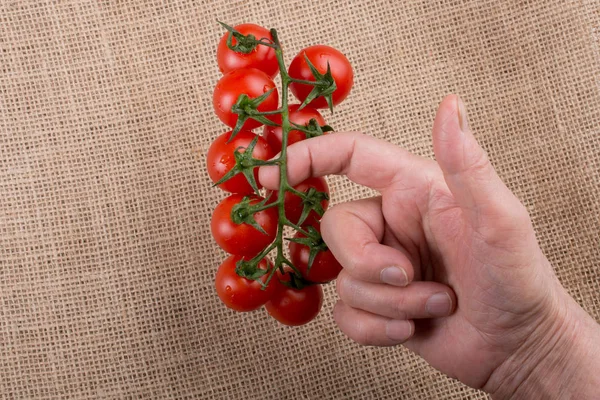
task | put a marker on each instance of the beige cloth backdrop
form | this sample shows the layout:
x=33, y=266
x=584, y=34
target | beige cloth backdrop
x=106, y=258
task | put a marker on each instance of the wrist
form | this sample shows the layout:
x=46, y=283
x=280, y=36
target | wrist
x=559, y=360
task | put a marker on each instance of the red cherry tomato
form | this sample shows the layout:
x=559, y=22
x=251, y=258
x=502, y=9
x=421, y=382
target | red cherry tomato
x=300, y=117
x=325, y=266
x=239, y=293
x=220, y=160
x=262, y=57
x=242, y=239
x=293, y=204
x=295, y=306
x=249, y=81
x=319, y=55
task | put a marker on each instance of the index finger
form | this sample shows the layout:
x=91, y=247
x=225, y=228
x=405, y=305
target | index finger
x=364, y=159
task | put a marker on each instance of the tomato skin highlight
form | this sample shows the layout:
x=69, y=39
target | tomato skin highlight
x=273, y=134
x=239, y=293
x=243, y=239
x=220, y=160
x=262, y=57
x=319, y=55
x=249, y=81
x=293, y=203
x=325, y=267
x=295, y=307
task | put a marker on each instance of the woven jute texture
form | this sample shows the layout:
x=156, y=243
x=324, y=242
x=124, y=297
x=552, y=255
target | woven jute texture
x=106, y=258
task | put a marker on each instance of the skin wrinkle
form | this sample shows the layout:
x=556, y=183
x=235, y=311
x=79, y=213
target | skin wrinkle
x=363, y=334
x=421, y=259
x=379, y=233
x=536, y=344
x=390, y=239
x=310, y=160
x=487, y=337
x=347, y=161
x=352, y=291
x=396, y=203
x=356, y=264
x=433, y=211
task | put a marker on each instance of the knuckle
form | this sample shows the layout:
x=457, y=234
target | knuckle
x=399, y=308
x=477, y=160
x=329, y=220
x=348, y=290
x=341, y=286
x=361, y=334
x=521, y=215
x=510, y=223
x=352, y=264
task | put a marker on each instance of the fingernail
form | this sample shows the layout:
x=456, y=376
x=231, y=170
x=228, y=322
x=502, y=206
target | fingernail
x=399, y=330
x=439, y=305
x=463, y=121
x=394, y=276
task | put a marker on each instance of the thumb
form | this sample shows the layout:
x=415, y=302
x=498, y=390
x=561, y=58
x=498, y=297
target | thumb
x=476, y=187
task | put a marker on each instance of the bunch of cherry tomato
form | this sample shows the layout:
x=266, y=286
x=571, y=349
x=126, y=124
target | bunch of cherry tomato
x=249, y=224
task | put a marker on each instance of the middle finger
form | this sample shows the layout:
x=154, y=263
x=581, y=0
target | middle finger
x=420, y=299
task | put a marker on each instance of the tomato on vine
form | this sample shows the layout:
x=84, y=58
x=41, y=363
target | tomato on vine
x=302, y=117
x=243, y=53
x=240, y=293
x=252, y=83
x=320, y=56
x=222, y=158
x=323, y=267
x=239, y=230
x=292, y=306
x=246, y=225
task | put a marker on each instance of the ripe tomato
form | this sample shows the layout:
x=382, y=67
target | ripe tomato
x=220, y=160
x=294, y=205
x=295, y=306
x=239, y=293
x=249, y=81
x=300, y=117
x=319, y=55
x=324, y=268
x=242, y=239
x=262, y=57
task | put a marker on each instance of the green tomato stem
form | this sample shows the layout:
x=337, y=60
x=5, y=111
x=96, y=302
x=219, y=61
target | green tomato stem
x=285, y=130
x=278, y=111
x=305, y=82
x=265, y=207
x=296, y=227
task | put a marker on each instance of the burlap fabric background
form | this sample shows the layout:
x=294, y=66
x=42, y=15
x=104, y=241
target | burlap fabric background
x=106, y=259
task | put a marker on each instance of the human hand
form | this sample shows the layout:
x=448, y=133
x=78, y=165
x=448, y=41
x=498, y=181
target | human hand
x=445, y=260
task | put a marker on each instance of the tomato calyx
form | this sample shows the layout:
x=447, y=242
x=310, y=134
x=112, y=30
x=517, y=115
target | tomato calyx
x=245, y=108
x=245, y=164
x=314, y=241
x=323, y=86
x=244, y=211
x=293, y=280
x=312, y=128
x=246, y=44
x=249, y=269
x=311, y=201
